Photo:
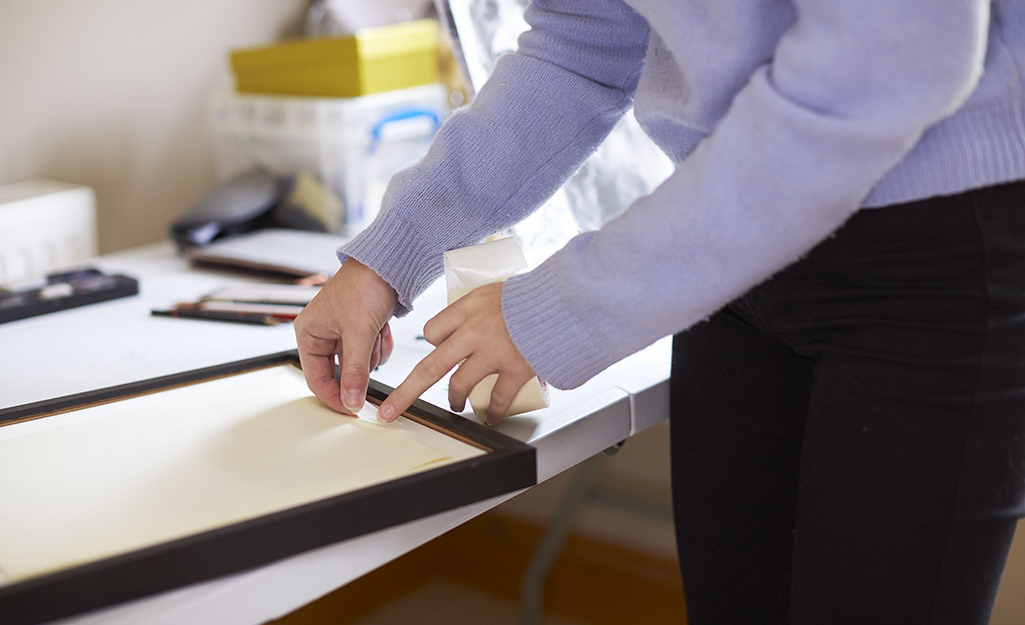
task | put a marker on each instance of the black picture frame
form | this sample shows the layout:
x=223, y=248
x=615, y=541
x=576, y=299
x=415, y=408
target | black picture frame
x=508, y=465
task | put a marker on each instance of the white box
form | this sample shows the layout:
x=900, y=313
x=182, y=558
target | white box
x=44, y=225
x=353, y=145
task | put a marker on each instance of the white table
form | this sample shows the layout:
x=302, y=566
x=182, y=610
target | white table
x=119, y=342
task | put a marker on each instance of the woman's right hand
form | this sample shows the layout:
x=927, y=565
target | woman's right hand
x=348, y=318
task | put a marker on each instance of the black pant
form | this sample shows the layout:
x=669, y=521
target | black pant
x=849, y=437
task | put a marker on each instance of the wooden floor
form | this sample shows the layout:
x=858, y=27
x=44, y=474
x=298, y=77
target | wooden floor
x=441, y=602
x=473, y=575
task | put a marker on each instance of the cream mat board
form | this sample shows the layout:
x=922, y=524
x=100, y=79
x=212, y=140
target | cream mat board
x=112, y=479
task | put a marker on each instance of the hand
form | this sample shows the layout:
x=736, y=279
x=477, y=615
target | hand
x=471, y=331
x=348, y=318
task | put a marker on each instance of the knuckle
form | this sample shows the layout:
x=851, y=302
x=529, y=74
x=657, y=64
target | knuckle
x=431, y=368
x=458, y=387
x=354, y=372
x=430, y=333
x=398, y=397
x=457, y=403
x=520, y=370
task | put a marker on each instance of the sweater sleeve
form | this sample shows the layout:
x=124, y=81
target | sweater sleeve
x=849, y=90
x=542, y=112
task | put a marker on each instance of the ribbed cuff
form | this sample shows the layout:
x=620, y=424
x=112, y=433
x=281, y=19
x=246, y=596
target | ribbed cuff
x=555, y=343
x=392, y=249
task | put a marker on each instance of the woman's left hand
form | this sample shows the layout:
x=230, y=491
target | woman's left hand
x=471, y=331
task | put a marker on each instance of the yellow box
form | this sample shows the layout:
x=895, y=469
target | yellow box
x=373, y=60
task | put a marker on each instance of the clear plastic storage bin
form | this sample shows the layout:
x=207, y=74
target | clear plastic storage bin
x=352, y=145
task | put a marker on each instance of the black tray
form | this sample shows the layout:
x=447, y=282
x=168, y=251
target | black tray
x=66, y=290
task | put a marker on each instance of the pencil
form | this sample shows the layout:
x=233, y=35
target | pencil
x=212, y=315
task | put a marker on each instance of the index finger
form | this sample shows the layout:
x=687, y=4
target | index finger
x=423, y=376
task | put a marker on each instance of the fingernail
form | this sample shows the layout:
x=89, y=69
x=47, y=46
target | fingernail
x=352, y=400
x=387, y=413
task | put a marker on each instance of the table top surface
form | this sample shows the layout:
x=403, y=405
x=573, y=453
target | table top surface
x=119, y=341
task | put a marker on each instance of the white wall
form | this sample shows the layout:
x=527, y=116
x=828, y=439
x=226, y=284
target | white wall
x=112, y=94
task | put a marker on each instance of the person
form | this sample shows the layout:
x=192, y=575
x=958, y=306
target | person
x=840, y=254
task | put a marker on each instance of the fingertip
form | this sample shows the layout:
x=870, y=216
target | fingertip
x=353, y=385
x=386, y=413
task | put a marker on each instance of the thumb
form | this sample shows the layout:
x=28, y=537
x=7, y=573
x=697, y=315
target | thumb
x=355, y=371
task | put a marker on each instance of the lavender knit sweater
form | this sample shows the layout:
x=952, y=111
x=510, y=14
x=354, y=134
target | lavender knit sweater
x=783, y=116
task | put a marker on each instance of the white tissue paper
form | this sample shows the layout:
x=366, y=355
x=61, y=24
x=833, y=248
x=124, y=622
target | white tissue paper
x=470, y=267
x=368, y=412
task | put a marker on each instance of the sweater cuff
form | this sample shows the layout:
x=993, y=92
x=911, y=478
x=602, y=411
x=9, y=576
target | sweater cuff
x=393, y=250
x=554, y=342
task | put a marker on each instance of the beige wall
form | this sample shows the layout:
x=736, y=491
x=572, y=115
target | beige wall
x=112, y=94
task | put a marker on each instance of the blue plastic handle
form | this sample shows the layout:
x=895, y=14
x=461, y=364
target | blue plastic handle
x=397, y=116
